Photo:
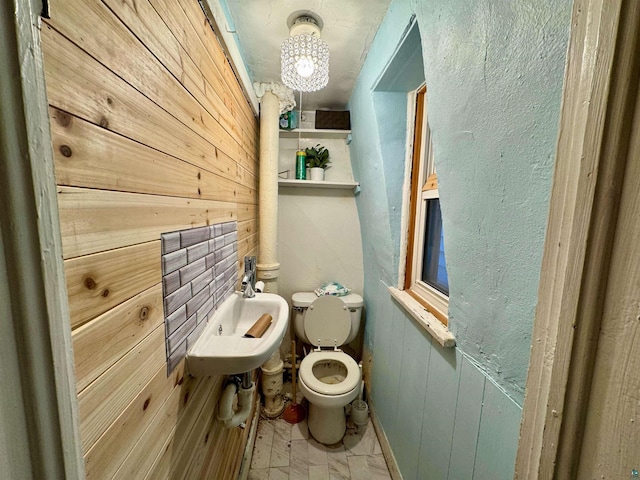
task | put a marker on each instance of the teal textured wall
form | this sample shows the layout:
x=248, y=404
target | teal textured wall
x=494, y=75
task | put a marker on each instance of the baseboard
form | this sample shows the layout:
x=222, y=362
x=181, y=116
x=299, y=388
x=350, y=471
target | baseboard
x=392, y=465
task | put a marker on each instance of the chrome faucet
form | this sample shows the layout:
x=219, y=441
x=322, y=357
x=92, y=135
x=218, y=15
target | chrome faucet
x=249, y=278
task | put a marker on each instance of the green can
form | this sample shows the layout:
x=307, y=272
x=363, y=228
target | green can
x=301, y=165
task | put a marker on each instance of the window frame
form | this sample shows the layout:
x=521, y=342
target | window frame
x=422, y=185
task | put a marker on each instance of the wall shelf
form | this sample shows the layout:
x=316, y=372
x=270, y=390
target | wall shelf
x=314, y=133
x=287, y=182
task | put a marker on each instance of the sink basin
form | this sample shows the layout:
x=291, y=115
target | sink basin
x=222, y=348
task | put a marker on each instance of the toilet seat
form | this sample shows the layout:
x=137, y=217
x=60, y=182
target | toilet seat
x=351, y=381
x=327, y=322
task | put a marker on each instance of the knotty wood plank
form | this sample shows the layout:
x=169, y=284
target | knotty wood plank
x=96, y=283
x=230, y=457
x=150, y=28
x=100, y=343
x=98, y=220
x=222, y=457
x=247, y=228
x=90, y=156
x=103, y=98
x=92, y=26
x=203, y=30
x=193, y=435
x=247, y=212
x=159, y=438
x=247, y=246
x=102, y=402
x=107, y=454
x=206, y=52
x=212, y=467
x=209, y=453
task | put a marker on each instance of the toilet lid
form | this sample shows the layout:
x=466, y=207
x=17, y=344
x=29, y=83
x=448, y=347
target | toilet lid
x=327, y=319
x=351, y=381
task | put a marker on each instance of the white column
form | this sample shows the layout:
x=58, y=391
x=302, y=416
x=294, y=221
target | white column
x=274, y=99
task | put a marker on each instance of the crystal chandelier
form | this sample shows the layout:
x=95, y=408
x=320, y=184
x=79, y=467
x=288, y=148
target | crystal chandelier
x=305, y=57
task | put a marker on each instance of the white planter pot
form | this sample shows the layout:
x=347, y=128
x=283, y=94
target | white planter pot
x=317, y=174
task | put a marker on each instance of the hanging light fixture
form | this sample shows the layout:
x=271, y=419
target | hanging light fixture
x=305, y=56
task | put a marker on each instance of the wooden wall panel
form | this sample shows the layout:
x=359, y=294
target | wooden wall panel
x=154, y=443
x=106, y=456
x=99, y=282
x=98, y=220
x=93, y=27
x=107, y=397
x=147, y=25
x=78, y=84
x=101, y=343
x=196, y=36
x=152, y=133
x=79, y=148
x=191, y=431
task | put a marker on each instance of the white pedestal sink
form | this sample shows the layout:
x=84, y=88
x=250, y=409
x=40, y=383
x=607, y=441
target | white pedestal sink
x=222, y=348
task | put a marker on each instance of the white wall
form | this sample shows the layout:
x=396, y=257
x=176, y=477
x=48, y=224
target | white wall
x=318, y=229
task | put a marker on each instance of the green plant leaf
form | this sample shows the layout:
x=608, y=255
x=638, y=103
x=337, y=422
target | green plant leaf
x=317, y=156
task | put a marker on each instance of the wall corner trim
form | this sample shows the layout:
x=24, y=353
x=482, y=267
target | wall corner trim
x=600, y=91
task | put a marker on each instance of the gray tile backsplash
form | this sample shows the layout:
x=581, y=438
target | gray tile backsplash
x=200, y=271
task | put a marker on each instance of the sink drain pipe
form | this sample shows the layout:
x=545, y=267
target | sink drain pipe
x=244, y=389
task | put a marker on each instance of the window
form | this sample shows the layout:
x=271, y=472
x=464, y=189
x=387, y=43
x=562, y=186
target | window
x=425, y=270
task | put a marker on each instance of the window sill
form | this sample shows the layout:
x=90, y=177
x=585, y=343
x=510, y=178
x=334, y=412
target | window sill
x=429, y=322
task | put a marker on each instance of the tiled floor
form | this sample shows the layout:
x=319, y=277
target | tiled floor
x=284, y=451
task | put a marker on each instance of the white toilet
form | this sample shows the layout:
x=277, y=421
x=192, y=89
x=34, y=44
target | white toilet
x=328, y=378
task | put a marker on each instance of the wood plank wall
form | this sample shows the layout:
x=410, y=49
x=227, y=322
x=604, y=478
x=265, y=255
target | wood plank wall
x=151, y=134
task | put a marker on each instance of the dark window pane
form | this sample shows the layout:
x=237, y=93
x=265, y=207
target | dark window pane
x=434, y=269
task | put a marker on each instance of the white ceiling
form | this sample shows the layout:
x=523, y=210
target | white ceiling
x=349, y=27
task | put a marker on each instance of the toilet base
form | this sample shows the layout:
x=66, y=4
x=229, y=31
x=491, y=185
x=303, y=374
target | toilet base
x=327, y=425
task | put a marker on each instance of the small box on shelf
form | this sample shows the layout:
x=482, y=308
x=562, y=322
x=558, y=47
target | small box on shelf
x=333, y=120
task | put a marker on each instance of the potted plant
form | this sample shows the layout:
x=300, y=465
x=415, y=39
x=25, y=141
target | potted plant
x=317, y=161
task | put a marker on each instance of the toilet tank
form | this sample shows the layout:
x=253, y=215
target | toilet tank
x=302, y=300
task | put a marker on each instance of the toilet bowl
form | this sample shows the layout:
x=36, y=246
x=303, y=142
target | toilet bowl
x=328, y=378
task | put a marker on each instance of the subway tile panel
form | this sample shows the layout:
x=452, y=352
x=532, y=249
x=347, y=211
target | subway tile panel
x=199, y=268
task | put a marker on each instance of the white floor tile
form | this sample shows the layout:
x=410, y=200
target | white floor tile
x=361, y=442
x=279, y=473
x=281, y=447
x=317, y=453
x=358, y=467
x=338, y=465
x=262, y=448
x=283, y=451
x=258, y=474
x=319, y=472
x=299, y=463
x=378, y=467
x=300, y=431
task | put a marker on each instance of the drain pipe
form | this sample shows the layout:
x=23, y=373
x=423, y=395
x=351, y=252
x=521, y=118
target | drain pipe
x=275, y=98
x=244, y=389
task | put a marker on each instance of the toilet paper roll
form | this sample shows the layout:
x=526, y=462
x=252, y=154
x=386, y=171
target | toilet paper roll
x=261, y=326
